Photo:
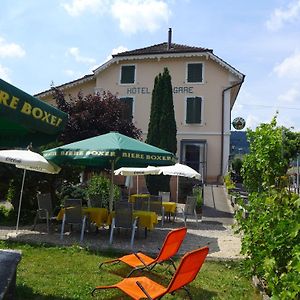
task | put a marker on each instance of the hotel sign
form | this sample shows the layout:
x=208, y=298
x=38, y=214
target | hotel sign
x=146, y=90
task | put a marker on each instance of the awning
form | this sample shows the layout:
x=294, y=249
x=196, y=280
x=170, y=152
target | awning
x=25, y=119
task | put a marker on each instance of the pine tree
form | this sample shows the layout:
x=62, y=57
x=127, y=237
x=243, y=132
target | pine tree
x=162, y=126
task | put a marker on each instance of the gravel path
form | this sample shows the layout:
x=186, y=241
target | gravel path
x=223, y=243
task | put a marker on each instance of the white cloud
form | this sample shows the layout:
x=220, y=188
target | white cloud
x=290, y=66
x=72, y=74
x=118, y=50
x=76, y=7
x=140, y=15
x=114, y=51
x=132, y=15
x=10, y=49
x=281, y=16
x=252, y=121
x=5, y=73
x=288, y=121
x=291, y=96
x=75, y=53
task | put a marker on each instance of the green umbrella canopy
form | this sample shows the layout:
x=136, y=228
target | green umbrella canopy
x=112, y=148
x=25, y=119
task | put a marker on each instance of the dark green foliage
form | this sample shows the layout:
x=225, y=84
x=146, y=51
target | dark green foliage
x=162, y=126
x=237, y=165
x=7, y=216
x=94, y=115
x=291, y=142
x=69, y=190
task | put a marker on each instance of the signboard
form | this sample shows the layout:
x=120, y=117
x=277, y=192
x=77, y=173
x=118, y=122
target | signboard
x=238, y=123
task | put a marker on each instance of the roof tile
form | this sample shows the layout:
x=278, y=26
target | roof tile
x=163, y=49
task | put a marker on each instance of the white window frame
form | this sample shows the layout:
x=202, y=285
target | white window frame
x=202, y=110
x=120, y=75
x=187, y=69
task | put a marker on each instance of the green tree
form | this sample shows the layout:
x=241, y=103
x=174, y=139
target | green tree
x=162, y=126
x=271, y=230
x=264, y=166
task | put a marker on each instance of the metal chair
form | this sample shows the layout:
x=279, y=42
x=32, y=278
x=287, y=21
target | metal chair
x=123, y=219
x=45, y=210
x=73, y=216
x=155, y=204
x=141, y=203
x=95, y=200
x=190, y=209
x=166, y=196
x=144, y=190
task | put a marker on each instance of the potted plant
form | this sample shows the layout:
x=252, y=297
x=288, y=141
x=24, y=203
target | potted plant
x=98, y=187
x=198, y=192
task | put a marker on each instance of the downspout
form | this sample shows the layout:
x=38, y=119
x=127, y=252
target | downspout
x=222, y=128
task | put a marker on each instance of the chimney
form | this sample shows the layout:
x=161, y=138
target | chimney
x=170, y=39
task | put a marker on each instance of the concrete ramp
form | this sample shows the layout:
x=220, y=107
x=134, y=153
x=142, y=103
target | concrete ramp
x=216, y=206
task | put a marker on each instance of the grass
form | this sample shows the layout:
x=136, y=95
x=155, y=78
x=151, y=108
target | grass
x=47, y=272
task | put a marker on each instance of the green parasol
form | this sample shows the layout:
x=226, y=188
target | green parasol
x=110, y=151
x=25, y=119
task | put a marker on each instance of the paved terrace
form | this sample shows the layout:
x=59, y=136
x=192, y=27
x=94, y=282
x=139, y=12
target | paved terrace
x=215, y=230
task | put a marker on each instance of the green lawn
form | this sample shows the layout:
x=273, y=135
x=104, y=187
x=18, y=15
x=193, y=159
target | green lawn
x=47, y=272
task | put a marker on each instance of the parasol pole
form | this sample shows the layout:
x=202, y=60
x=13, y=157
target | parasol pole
x=111, y=193
x=177, y=184
x=129, y=187
x=20, y=201
x=137, y=184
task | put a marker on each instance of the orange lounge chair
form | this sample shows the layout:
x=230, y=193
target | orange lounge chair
x=140, y=261
x=145, y=288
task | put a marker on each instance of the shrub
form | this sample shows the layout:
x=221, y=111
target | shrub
x=100, y=186
x=11, y=192
x=271, y=241
x=229, y=182
x=7, y=216
x=69, y=190
x=198, y=192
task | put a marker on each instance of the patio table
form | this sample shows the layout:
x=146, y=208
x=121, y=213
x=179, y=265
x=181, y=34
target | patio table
x=134, y=196
x=147, y=219
x=170, y=207
x=96, y=215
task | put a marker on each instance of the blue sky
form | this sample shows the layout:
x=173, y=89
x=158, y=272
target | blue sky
x=61, y=40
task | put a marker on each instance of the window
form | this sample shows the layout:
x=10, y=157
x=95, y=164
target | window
x=193, y=154
x=128, y=111
x=127, y=74
x=195, y=73
x=193, y=110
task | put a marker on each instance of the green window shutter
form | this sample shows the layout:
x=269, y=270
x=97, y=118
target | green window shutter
x=128, y=101
x=193, y=110
x=127, y=74
x=195, y=72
